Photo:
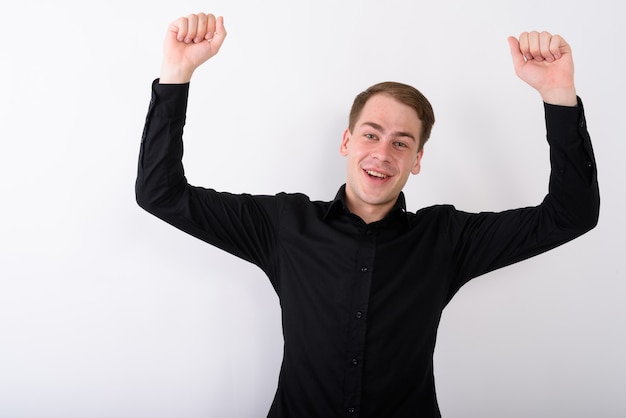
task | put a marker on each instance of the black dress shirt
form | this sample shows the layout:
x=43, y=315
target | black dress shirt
x=361, y=303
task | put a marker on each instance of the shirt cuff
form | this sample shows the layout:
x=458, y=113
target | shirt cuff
x=565, y=122
x=169, y=100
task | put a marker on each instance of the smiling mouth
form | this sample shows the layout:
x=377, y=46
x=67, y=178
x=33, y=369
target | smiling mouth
x=376, y=174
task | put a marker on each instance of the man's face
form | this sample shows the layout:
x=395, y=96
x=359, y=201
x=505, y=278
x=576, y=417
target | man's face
x=381, y=151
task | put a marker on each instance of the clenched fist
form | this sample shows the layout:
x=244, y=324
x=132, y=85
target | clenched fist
x=190, y=41
x=544, y=61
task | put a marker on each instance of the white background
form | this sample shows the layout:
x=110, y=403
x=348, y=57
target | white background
x=106, y=311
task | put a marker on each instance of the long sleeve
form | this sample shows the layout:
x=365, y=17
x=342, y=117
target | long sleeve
x=240, y=224
x=160, y=171
x=487, y=241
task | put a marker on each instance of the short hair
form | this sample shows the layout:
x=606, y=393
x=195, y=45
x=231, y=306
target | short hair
x=404, y=94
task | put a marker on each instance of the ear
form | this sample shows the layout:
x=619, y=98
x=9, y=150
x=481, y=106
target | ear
x=343, y=148
x=417, y=166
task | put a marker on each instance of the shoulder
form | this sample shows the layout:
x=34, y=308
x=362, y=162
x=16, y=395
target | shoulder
x=444, y=217
x=301, y=201
x=430, y=212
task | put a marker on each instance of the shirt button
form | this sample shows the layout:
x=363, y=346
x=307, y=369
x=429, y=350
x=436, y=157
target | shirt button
x=363, y=269
x=359, y=315
x=351, y=410
x=355, y=361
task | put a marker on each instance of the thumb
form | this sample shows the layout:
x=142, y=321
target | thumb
x=177, y=30
x=218, y=37
x=516, y=53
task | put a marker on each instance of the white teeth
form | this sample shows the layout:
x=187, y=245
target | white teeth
x=376, y=174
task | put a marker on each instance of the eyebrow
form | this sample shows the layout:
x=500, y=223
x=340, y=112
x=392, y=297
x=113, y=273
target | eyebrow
x=395, y=134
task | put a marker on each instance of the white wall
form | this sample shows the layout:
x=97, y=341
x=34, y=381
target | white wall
x=107, y=312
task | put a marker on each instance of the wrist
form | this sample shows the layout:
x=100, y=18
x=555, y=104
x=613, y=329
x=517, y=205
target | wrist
x=560, y=96
x=173, y=75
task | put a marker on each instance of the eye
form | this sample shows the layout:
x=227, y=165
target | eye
x=401, y=144
x=370, y=136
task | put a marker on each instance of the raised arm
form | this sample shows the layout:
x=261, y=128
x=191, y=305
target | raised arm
x=487, y=241
x=190, y=41
x=243, y=225
x=544, y=61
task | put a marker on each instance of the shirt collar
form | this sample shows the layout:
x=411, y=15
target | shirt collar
x=338, y=205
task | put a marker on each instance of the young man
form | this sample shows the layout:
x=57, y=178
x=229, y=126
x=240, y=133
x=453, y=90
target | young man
x=362, y=283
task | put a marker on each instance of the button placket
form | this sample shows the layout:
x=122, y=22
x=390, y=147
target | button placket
x=361, y=283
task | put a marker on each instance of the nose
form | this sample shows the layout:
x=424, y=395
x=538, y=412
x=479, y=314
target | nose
x=381, y=151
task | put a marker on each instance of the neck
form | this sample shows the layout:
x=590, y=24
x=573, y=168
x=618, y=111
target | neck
x=370, y=213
